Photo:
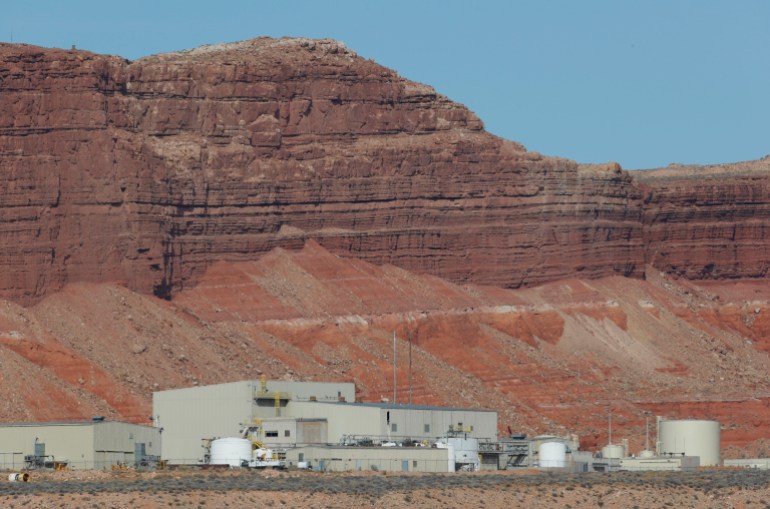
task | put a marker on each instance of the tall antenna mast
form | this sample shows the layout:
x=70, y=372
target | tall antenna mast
x=647, y=430
x=394, y=366
x=410, y=367
x=609, y=420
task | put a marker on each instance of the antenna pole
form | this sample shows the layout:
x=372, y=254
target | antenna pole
x=410, y=367
x=647, y=431
x=394, y=366
x=609, y=420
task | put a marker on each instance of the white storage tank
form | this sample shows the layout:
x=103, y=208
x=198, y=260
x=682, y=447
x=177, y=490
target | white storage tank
x=553, y=455
x=613, y=451
x=690, y=438
x=450, y=457
x=230, y=451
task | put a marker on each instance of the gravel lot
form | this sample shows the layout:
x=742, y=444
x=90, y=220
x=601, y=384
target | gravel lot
x=723, y=488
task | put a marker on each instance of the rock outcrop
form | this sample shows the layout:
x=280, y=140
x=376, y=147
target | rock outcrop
x=147, y=172
x=708, y=222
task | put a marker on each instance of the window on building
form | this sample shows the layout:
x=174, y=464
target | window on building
x=286, y=433
x=393, y=427
x=414, y=463
x=130, y=436
x=427, y=428
x=271, y=434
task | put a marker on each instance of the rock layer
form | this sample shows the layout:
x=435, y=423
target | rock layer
x=147, y=172
x=708, y=222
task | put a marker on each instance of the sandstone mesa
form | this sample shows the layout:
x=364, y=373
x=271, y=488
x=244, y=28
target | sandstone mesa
x=167, y=173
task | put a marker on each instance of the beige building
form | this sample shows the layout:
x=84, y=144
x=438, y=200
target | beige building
x=189, y=417
x=397, y=422
x=78, y=445
x=687, y=463
x=348, y=459
x=296, y=414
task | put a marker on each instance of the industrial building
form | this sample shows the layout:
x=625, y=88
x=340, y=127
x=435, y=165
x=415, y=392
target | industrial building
x=193, y=415
x=78, y=445
x=346, y=459
x=301, y=414
x=322, y=426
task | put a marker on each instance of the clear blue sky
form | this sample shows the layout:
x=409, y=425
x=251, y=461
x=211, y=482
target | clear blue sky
x=642, y=82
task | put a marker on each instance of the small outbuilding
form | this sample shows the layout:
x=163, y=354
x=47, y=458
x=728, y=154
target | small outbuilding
x=94, y=444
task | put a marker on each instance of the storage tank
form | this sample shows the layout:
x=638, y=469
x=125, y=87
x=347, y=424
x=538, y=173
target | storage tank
x=690, y=438
x=553, y=455
x=613, y=451
x=230, y=451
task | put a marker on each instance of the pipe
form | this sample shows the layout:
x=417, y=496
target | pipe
x=22, y=477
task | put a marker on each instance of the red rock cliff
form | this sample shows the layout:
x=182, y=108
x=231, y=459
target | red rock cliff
x=708, y=222
x=147, y=172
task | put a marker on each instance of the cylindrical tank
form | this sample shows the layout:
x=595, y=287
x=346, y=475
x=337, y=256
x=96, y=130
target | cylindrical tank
x=230, y=451
x=553, y=455
x=690, y=438
x=613, y=451
x=450, y=457
x=22, y=477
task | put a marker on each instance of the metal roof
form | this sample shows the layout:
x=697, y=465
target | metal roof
x=400, y=406
x=66, y=423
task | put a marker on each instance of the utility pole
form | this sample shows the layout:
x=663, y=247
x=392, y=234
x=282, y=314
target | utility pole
x=410, y=367
x=394, y=366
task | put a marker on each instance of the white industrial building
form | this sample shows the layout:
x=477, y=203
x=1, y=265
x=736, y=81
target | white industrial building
x=77, y=445
x=193, y=415
x=322, y=424
x=297, y=414
x=348, y=459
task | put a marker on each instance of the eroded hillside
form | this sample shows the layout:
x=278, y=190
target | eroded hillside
x=548, y=359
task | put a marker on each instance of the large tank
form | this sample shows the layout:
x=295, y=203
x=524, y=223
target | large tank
x=451, y=466
x=230, y=451
x=553, y=455
x=613, y=451
x=690, y=438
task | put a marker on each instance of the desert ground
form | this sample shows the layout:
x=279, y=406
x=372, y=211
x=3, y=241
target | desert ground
x=715, y=488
